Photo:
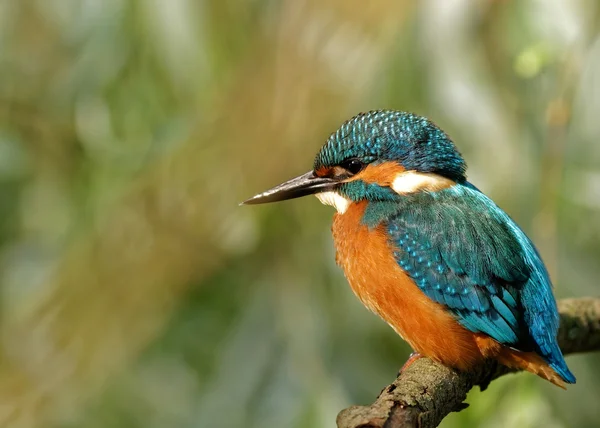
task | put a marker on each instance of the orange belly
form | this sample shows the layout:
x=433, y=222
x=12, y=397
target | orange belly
x=367, y=259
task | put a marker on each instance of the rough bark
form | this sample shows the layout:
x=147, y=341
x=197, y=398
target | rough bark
x=426, y=391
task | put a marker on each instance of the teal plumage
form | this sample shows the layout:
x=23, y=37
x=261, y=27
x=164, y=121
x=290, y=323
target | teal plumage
x=382, y=135
x=465, y=253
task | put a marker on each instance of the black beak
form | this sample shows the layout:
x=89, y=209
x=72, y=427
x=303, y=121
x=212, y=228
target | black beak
x=306, y=184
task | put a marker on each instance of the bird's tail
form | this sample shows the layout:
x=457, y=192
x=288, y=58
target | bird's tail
x=558, y=374
x=558, y=364
x=563, y=371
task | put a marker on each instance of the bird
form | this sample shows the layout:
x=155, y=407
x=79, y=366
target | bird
x=429, y=252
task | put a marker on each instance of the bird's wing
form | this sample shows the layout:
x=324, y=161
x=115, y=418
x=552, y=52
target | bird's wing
x=465, y=253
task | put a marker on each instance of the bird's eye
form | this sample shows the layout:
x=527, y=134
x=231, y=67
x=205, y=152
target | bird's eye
x=353, y=166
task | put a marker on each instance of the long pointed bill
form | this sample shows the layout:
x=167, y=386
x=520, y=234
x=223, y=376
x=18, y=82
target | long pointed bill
x=306, y=184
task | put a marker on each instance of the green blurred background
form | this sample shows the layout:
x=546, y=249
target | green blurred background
x=135, y=292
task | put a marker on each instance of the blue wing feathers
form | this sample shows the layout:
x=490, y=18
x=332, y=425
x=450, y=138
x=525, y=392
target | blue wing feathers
x=465, y=253
x=491, y=324
x=504, y=310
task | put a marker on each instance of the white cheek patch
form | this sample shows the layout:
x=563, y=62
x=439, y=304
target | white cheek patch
x=412, y=181
x=334, y=199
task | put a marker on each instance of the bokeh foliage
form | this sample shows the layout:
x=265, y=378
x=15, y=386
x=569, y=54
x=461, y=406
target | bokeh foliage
x=136, y=293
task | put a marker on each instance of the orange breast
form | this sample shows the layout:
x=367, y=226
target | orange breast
x=367, y=260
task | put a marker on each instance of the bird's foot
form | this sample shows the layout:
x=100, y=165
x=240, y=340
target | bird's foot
x=413, y=357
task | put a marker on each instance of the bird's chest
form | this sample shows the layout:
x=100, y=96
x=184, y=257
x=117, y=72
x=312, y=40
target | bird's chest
x=367, y=258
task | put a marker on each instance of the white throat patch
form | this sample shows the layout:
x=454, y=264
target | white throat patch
x=334, y=199
x=412, y=181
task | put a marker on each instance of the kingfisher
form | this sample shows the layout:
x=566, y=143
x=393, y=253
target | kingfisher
x=427, y=251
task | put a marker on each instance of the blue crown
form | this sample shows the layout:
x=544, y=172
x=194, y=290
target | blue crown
x=387, y=135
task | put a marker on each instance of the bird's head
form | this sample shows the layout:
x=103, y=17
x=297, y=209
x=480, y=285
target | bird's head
x=376, y=156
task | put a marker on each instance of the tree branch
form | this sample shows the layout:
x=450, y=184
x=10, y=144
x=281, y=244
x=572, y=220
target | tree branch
x=427, y=391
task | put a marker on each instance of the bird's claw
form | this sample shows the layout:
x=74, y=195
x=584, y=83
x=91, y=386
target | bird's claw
x=414, y=356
